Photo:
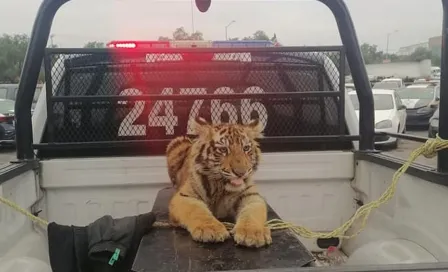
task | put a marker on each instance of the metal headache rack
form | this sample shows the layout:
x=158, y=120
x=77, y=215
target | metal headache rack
x=138, y=99
x=331, y=98
x=98, y=57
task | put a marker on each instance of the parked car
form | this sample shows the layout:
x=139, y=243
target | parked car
x=434, y=125
x=386, y=85
x=426, y=81
x=399, y=81
x=390, y=114
x=420, y=80
x=9, y=91
x=421, y=101
x=434, y=81
x=7, y=123
x=349, y=86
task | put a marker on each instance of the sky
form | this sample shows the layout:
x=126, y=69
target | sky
x=295, y=22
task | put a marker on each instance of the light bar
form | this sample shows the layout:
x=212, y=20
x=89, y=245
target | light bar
x=122, y=45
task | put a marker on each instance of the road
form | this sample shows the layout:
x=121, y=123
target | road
x=406, y=147
x=403, y=151
x=7, y=155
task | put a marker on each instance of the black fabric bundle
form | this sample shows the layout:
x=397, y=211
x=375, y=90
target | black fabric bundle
x=106, y=245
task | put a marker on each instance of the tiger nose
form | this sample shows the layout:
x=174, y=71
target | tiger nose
x=239, y=172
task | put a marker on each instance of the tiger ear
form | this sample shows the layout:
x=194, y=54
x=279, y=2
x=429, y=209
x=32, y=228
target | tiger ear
x=254, y=129
x=200, y=126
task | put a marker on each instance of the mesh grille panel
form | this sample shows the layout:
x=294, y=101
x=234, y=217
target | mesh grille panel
x=124, y=95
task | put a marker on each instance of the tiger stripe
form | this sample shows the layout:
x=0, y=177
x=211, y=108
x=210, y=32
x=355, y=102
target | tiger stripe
x=213, y=176
x=176, y=154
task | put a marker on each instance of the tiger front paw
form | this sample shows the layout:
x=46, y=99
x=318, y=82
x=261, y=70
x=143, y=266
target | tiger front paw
x=210, y=232
x=252, y=235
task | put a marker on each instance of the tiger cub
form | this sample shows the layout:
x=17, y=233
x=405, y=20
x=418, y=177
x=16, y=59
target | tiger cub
x=213, y=179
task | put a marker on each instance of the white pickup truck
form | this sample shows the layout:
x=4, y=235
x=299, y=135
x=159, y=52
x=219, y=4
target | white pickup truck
x=100, y=129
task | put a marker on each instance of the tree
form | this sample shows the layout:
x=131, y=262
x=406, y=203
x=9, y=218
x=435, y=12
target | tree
x=393, y=57
x=371, y=54
x=197, y=36
x=12, y=53
x=164, y=38
x=181, y=35
x=94, y=44
x=420, y=54
x=436, y=60
x=260, y=35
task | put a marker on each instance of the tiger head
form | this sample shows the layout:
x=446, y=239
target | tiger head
x=227, y=153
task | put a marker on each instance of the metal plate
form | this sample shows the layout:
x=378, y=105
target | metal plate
x=166, y=250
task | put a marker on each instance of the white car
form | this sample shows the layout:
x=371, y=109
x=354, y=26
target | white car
x=420, y=80
x=390, y=114
x=399, y=81
x=386, y=85
x=350, y=86
x=421, y=101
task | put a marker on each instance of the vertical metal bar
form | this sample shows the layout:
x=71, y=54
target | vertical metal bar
x=442, y=156
x=320, y=100
x=359, y=73
x=341, y=92
x=49, y=95
x=67, y=80
x=29, y=75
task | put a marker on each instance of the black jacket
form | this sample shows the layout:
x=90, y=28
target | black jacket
x=106, y=245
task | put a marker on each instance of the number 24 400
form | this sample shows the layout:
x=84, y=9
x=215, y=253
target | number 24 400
x=169, y=120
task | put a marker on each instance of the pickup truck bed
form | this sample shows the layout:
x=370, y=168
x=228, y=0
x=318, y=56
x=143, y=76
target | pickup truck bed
x=95, y=142
x=102, y=125
x=313, y=189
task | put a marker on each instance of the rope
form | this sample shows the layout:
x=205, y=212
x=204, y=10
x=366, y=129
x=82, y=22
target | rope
x=16, y=207
x=428, y=149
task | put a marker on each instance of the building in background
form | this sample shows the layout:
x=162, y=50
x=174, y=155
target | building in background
x=435, y=45
x=408, y=50
x=245, y=43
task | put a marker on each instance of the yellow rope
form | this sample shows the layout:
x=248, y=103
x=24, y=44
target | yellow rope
x=428, y=149
x=16, y=207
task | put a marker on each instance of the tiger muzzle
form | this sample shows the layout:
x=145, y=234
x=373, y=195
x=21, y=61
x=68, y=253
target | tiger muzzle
x=239, y=172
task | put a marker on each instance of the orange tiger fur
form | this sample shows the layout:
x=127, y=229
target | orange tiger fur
x=176, y=154
x=202, y=171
